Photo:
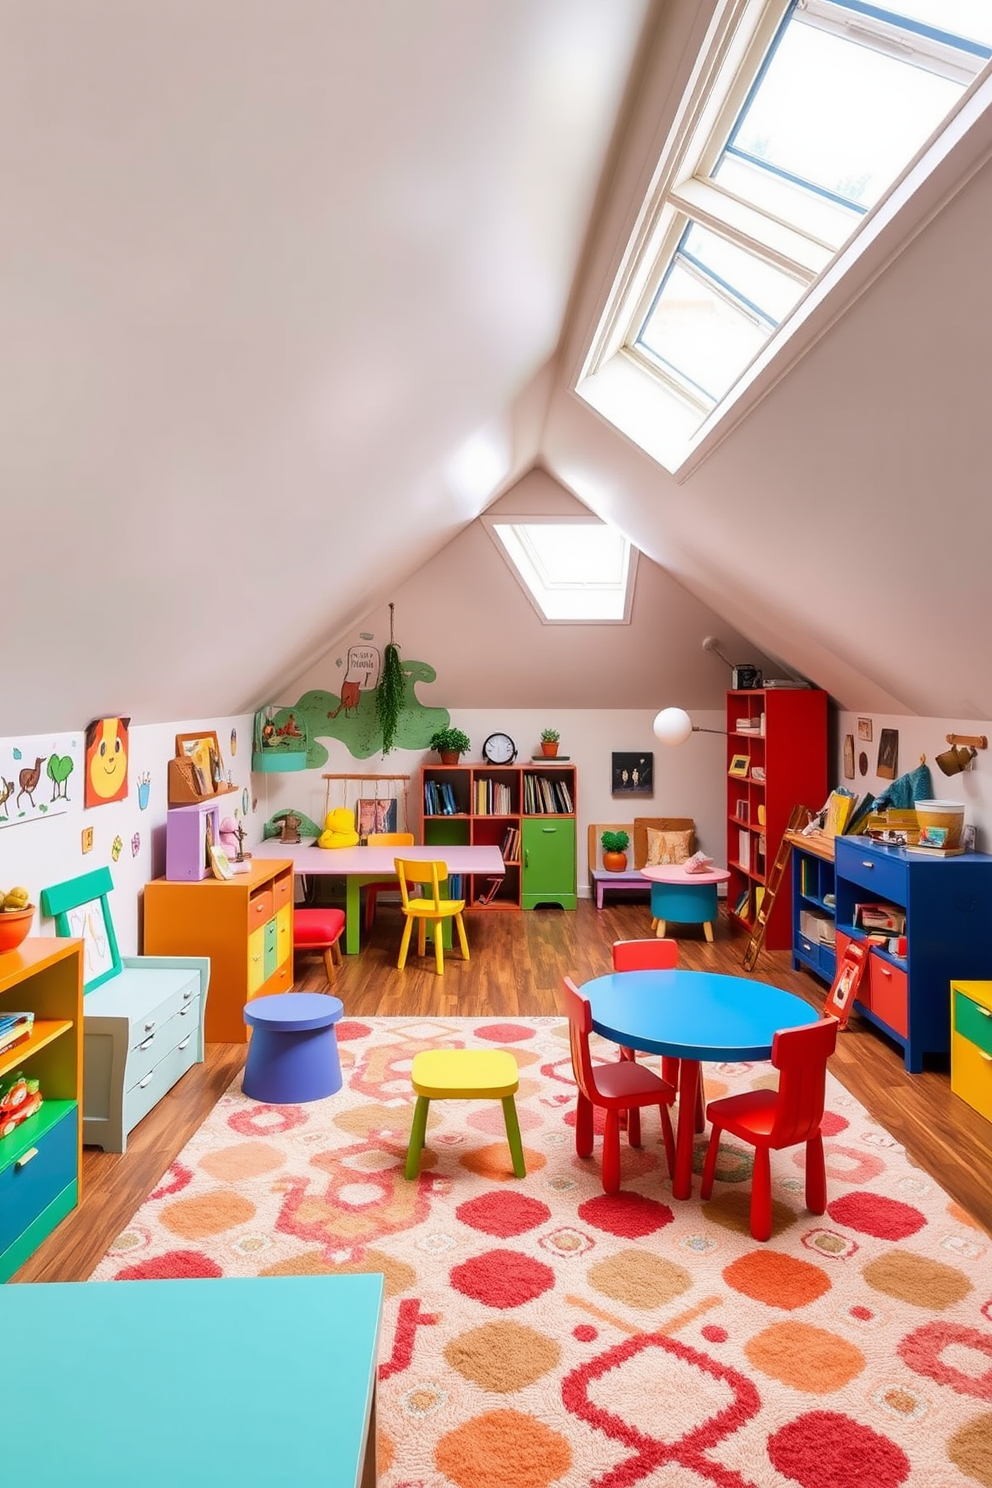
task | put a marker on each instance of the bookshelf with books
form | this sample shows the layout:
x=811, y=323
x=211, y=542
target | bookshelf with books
x=776, y=759
x=527, y=811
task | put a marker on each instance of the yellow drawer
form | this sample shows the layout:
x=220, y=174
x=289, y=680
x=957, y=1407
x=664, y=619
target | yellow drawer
x=971, y=1074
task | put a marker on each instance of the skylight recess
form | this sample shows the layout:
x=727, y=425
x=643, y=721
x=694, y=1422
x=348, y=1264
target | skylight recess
x=571, y=571
x=815, y=110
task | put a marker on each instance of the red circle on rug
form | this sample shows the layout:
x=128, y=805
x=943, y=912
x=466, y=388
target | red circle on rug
x=922, y=1351
x=874, y=1214
x=628, y=1215
x=505, y=1033
x=503, y=1214
x=173, y=1182
x=832, y=1124
x=351, y=1030
x=824, y=1449
x=714, y=1334
x=502, y=1278
x=584, y=1332
x=183, y=1264
x=266, y=1121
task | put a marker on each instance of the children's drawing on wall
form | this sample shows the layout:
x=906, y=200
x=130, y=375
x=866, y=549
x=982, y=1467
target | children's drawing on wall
x=144, y=791
x=375, y=816
x=106, y=761
x=888, y=754
x=116, y=848
x=36, y=777
x=361, y=675
x=86, y=840
x=234, y=742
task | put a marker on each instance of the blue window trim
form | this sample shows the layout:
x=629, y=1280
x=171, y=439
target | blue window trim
x=776, y=170
x=916, y=28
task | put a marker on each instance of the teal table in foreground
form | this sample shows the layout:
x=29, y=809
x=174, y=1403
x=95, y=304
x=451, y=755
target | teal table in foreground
x=234, y=1383
x=692, y=1016
x=362, y=865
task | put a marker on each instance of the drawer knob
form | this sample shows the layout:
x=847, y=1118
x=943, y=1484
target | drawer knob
x=185, y=1041
x=148, y=1043
x=987, y=1057
x=865, y=863
x=146, y=1081
x=150, y=1026
x=187, y=996
x=25, y=1158
x=985, y=1012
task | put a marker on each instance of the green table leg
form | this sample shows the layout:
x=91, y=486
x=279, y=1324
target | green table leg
x=352, y=914
x=418, y=1136
x=513, y=1136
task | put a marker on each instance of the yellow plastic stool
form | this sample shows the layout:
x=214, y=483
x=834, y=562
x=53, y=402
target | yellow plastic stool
x=464, y=1074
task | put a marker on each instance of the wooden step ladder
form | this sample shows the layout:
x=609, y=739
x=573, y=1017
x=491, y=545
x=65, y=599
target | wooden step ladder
x=799, y=816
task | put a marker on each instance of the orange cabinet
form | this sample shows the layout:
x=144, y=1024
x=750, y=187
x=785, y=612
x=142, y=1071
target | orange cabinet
x=244, y=924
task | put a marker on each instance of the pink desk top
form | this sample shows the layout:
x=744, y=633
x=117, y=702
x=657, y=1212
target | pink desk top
x=307, y=859
x=675, y=873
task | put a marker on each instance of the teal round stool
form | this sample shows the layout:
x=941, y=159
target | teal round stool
x=683, y=898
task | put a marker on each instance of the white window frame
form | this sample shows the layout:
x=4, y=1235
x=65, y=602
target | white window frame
x=623, y=382
x=570, y=519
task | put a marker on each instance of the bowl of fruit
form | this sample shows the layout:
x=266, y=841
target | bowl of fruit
x=16, y=915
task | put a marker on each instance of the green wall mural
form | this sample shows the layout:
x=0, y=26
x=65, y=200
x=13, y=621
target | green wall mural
x=351, y=717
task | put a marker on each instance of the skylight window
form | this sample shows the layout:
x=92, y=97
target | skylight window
x=571, y=571
x=814, y=111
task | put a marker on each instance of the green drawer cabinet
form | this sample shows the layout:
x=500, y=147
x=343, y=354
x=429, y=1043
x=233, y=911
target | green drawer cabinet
x=548, y=873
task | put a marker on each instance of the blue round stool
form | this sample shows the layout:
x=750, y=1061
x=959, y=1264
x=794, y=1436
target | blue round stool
x=293, y=1051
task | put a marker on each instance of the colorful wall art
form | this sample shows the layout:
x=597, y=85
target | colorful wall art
x=106, y=761
x=39, y=777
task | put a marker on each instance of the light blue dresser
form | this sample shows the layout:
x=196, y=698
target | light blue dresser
x=142, y=1031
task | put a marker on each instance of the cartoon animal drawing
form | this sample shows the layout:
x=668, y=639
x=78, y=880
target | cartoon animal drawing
x=6, y=791
x=28, y=780
x=289, y=729
x=350, y=693
x=106, y=761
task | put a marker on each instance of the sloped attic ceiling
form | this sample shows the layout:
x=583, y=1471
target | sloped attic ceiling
x=277, y=284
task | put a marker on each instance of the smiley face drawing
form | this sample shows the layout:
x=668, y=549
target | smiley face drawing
x=106, y=761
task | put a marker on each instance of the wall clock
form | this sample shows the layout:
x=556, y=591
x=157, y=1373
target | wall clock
x=499, y=749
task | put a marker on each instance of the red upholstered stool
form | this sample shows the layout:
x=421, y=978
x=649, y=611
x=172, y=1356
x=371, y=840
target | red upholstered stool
x=319, y=930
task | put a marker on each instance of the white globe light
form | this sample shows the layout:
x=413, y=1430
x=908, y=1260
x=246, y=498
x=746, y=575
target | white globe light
x=672, y=726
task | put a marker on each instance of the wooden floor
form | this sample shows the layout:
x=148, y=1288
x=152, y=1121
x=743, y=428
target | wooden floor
x=518, y=960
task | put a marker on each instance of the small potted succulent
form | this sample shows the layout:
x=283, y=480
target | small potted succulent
x=549, y=742
x=450, y=743
x=615, y=851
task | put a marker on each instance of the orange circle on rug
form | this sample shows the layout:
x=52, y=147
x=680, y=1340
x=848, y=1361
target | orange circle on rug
x=639, y=1279
x=914, y=1278
x=970, y=1449
x=495, y=1162
x=538, y=1455
x=503, y=1356
x=778, y=1280
x=207, y=1214
x=244, y=1160
x=809, y=1359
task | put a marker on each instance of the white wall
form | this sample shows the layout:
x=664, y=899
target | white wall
x=923, y=736
x=688, y=781
x=42, y=852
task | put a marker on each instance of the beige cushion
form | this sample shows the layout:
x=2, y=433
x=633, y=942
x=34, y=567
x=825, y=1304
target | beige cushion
x=668, y=847
x=642, y=824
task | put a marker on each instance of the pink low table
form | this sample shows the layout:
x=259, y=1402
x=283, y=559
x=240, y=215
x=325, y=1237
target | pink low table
x=684, y=898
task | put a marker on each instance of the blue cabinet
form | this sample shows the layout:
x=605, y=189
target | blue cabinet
x=813, y=900
x=946, y=902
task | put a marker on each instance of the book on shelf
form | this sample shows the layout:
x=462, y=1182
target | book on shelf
x=744, y=848
x=15, y=1028
x=490, y=891
x=510, y=849
x=840, y=805
x=740, y=908
x=880, y=917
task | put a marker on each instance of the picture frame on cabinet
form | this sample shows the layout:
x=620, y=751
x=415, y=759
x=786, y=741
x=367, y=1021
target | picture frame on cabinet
x=739, y=765
x=204, y=752
x=81, y=908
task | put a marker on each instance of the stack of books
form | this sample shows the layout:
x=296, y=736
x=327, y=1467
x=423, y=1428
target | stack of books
x=15, y=1028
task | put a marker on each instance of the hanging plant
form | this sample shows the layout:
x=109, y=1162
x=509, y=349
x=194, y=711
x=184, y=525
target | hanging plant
x=389, y=693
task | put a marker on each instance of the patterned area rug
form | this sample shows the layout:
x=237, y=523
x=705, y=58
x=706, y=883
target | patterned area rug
x=540, y=1333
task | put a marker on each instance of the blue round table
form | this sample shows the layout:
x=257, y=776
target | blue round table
x=692, y=1016
x=293, y=1051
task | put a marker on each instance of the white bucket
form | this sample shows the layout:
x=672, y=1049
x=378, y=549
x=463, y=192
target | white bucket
x=946, y=814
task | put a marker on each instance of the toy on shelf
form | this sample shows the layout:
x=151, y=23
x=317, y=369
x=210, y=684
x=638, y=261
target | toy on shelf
x=20, y=1097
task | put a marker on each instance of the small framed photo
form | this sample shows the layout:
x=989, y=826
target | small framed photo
x=739, y=765
x=864, y=730
x=632, y=774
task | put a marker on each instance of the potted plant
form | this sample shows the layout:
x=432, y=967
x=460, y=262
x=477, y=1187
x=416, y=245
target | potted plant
x=450, y=743
x=615, y=851
x=549, y=742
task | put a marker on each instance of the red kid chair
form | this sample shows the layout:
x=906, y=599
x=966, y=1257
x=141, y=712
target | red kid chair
x=773, y=1119
x=656, y=955
x=386, y=885
x=319, y=930
x=622, y=1086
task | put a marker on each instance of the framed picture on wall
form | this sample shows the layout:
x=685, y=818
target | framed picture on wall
x=848, y=756
x=739, y=765
x=632, y=774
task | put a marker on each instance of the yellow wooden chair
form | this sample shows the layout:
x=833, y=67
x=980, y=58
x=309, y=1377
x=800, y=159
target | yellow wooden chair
x=428, y=907
x=464, y=1074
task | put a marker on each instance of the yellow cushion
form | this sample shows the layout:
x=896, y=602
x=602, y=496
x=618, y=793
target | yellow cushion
x=466, y=1074
x=339, y=829
x=668, y=847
